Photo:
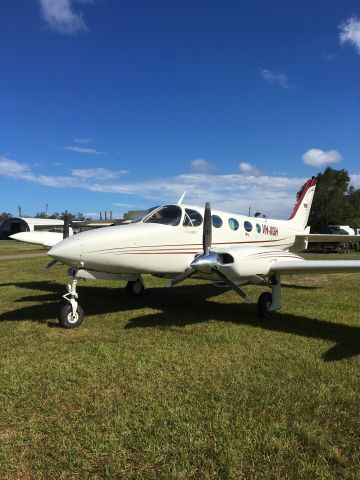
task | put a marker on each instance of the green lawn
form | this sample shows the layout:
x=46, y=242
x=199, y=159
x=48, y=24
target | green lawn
x=10, y=247
x=182, y=383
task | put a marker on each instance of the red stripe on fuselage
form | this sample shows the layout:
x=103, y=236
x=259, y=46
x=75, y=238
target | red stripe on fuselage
x=187, y=245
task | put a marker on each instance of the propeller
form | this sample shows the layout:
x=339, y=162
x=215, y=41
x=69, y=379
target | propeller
x=208, y=261
x=207, y=229
x=66, y=233
x=51, y=264
x=232, y=285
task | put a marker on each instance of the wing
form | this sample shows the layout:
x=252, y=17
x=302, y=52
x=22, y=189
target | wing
x=328, y=238
x=47, y=239
x=301, y=267
x=239, y=262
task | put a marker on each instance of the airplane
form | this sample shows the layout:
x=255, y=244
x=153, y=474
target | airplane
x=177, y=241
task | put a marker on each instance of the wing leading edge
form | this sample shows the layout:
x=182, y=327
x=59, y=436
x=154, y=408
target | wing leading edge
x=47, y=239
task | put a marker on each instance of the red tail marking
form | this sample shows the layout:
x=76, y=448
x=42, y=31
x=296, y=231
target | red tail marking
x=308, y=184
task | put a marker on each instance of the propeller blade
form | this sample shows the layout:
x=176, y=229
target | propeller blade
x=206, y=247
x=207, y=229
x=66, y=226
x=232, y=285
x=181, y=277
x=51, y=264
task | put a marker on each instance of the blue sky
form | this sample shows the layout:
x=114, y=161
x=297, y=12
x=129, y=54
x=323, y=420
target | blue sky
x=119, y=105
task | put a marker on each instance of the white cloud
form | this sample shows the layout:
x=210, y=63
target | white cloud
x=61, y=16
x=201, y=165
x=248, y=169
x=98, y=173
x=355, y=180
x=350, y=33
x=317, y=158
x=272, y=194
x=91, y=151
x=13, y=169
x=128, y=205
x=276, y=78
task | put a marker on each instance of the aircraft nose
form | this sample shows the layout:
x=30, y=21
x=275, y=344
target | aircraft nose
x=68, y=251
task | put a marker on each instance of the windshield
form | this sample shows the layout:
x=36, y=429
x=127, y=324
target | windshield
x=143, y=214
x=167, y=215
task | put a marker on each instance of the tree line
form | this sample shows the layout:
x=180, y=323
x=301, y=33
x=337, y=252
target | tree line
x=336, y=201
x=61, y=216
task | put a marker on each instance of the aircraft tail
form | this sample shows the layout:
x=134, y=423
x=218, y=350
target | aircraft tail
x=300, y=215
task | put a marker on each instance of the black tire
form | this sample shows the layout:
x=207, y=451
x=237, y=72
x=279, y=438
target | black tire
x=264, y=302
x=134, y=288
x=66, y=318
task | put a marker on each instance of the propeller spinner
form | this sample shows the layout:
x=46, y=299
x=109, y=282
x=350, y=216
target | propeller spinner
x=66, y=233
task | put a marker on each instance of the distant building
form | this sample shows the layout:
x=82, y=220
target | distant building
x=17, y=224
x=14, y=225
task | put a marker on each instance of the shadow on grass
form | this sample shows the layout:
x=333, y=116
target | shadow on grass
x=180, y=306
x=299, y=287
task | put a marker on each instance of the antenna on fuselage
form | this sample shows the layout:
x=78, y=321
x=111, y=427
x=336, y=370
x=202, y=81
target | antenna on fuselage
x=181, y=198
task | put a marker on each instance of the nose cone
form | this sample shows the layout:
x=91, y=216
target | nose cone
x=68, y=251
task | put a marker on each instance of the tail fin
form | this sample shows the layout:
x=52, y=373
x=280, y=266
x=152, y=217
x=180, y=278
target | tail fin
x=300, y=215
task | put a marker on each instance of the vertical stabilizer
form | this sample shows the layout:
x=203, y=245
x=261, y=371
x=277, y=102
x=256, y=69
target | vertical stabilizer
x=300, y=215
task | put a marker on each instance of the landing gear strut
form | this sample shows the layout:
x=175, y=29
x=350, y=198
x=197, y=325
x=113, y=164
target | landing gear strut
x=135, y=288
x=268, y=302
x=71, y=315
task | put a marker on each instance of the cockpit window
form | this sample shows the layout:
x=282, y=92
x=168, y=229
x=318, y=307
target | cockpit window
x=143, y=214
x=167, y=215
x=192, y=218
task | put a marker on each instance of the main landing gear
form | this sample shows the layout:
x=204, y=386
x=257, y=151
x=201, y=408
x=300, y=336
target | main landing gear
x=269, y=302
x=135, y=288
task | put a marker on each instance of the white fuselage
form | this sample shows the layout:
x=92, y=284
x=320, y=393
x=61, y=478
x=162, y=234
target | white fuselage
x=166, y=249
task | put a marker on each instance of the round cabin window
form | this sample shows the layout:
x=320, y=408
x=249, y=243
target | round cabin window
x=233, y=223
x=216, y=221
x=247, y=226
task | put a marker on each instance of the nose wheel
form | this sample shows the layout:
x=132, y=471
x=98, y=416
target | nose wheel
x=135, y=288
x=68, y=319
x=71, y=314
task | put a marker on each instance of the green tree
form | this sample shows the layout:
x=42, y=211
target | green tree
x=40, y=215
x=332, y=200
x=5, y=216
x=354, y=202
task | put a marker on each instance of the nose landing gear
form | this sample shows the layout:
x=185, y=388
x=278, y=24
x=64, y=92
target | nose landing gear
x=71, y=314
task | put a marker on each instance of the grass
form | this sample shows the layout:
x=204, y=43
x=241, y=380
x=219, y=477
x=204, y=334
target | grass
x=9, y=247
x=182, y=383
